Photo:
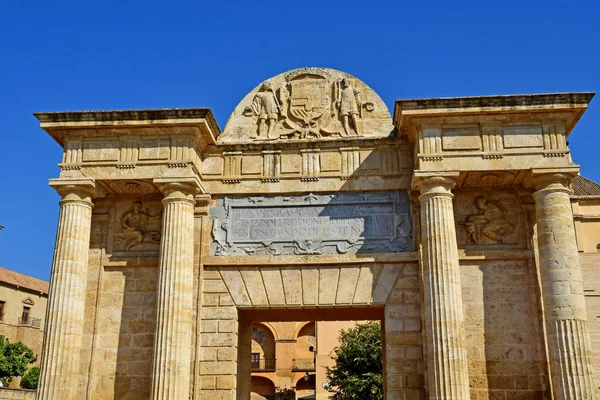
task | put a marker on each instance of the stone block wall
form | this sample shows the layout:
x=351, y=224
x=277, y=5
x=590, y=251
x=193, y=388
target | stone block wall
x=218, y=339
x=122, y=350
x=590, y=267
x=503, y=330
x=16, y=394
x=403, y=340
x=395, y=286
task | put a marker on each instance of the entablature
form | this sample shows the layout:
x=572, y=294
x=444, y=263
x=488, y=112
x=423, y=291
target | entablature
x=490, y=132
x=313, y=165
x=131, y=144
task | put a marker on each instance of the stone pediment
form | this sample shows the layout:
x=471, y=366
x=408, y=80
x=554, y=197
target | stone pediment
x=29, y=301
x=308, y=103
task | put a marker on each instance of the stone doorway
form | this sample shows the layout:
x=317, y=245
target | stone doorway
x=238, y=298
x=300, y=350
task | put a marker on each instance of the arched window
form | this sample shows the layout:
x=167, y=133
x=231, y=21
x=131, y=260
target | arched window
x=262, y=388
x=305, y=387
x=263, y=348
x=306, y=346
x=598, y=247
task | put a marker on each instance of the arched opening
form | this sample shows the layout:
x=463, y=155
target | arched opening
x=598, y=247
x=305, y=387
x=262, y=388
x=304, y=354
x=263, y=348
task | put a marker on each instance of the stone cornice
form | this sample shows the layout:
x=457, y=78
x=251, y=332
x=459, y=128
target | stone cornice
x=128, y=115
x=52, y=122
x=501, y=101
x=572, y=103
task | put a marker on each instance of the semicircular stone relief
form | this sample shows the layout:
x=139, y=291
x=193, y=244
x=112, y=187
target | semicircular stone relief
x=308, y=103
x=489, y=179
x=134, y=187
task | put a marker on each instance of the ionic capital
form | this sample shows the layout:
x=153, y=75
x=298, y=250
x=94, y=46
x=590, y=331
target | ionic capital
x=178, y=189
x=435, y=185
x=77, y=190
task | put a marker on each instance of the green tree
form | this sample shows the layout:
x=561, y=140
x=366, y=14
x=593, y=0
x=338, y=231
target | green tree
x=30, y=379
x=358, y=370
x=14, y=359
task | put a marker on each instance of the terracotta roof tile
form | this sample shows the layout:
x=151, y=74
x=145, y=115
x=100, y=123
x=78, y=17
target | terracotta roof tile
x=585, y=188
x=25, y=281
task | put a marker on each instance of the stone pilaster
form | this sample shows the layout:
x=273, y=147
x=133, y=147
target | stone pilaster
x=60, y=369
x=173, y=337
x=569, y=347
x=447, y=372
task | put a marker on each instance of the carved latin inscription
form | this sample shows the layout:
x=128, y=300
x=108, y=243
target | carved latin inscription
x=312, y=224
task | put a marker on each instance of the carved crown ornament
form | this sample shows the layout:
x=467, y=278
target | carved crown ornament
x=308, y=103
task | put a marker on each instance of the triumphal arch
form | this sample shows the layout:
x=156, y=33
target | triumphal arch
x=450, y=222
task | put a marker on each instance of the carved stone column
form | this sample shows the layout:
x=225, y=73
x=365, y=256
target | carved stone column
x=568, y=339
x=447, y=372
x=173, y=336
x=60, y=369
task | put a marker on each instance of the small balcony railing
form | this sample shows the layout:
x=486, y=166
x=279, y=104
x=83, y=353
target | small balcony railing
x=303, y=364
x=33, y=322
x=263, y=364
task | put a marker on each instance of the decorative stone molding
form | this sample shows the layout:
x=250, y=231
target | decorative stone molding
x=202, y=204
x=350, y=161
x=311, y=165
x=271, y=165
x=233, y=167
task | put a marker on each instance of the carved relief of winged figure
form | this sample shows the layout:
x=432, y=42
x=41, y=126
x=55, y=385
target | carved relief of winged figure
x=136, y=227
x=492, y=222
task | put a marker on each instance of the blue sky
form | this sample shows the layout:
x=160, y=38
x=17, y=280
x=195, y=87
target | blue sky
x=73, y=55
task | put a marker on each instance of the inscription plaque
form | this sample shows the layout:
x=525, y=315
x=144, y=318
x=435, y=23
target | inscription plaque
x=367, y=222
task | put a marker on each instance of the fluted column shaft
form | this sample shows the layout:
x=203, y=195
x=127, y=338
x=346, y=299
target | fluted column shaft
x=173, y=336
x=568, y=339
x=59, y=376
x=446, y=351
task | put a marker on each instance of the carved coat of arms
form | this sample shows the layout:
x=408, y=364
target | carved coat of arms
x=307, y=103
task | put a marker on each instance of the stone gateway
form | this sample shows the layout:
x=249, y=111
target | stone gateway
x=451, y=222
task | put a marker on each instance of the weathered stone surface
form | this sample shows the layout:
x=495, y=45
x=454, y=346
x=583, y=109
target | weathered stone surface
x=308, y=103
x=312, y=224
x=66, y=313
x=140, y=283
x=447, y=353
x=569, y=346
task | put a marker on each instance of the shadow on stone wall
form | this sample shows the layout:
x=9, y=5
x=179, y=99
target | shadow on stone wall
x=369, y=213
x=135, y=347
x=501, y=318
